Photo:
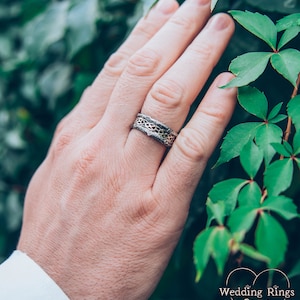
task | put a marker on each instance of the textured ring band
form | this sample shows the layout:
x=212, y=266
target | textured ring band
x=155, y=129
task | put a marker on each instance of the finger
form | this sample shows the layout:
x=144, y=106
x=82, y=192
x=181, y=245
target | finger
x=171, y=96
x=151, y=62
x=182, y=168
x=94, y=100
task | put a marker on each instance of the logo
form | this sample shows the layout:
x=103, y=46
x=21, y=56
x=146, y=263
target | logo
x=245, y=284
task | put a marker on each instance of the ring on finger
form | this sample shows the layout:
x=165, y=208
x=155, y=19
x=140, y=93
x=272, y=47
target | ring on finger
x=155, y=129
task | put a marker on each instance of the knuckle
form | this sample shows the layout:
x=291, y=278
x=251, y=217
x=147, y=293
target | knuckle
x=168, y=93
x=191, y=143
x=143, y=63
x=115, y=64
x=145, y=29
x=83, y=163
x=185, y=23
x=204, y=52
x=145, y=211
x=215, y=115
x=61, y=141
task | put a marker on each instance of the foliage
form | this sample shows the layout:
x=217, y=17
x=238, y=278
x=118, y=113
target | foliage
x=44, y=67
x=249, y=216
x=50, y=51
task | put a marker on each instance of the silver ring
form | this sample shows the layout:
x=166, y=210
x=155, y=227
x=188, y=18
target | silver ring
x=155, y=129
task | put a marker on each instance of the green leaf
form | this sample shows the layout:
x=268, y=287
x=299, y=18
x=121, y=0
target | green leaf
x=215, y=211
x=250, y=195
x=275, y=111
x=282, y=205
x=295, y=270
x=251, y=252
x=253, y=101
x=278, y=176
x=242, y=219
x=212, y=242
x=227, y=191
x=258, y=24
x=202, y=249
x=54, y=82
x=271, y=240
x=278, y=119
x=245, y=70
x=294, y=111
x=288, y=21
x=46, y=29
x=287, y=63
x=221, y=247
x=296, y=142
x=288, y=147
x=251, y=158
x=82, y=20
x=281, y=149
x=235, y=140
x=288, y=35
x=265, y=136
x=274, y=115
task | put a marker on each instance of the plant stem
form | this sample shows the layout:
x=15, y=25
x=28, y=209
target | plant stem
x=289, y=123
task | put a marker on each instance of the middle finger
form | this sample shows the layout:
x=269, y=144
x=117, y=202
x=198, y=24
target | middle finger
x=149, y=63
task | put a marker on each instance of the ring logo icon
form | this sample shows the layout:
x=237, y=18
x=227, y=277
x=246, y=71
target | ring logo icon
x=257, y=286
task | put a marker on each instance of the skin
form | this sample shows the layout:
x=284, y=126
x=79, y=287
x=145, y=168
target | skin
x=105, y=210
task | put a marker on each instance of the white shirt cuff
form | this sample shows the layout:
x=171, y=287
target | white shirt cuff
x=22, y=279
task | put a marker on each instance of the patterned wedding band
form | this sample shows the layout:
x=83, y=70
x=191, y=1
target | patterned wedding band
x=155, y=129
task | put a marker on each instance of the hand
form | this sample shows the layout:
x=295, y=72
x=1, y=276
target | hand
x=106, y=208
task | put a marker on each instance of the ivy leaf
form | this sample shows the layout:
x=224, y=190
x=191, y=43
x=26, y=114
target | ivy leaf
x=275, y=111
x=278, y=176
x=202, y=250
x=258, y=24
x=250, y=195
x=278, y=119
x=251, y=252
x=221, y=247
x=253, y=101
x=288, y=35
x=245, y=70
x=288, y=147
x=242, y=219
x=295, y=270
x=212, y=242
x=271, y=240
x=281, y=149
x=46, y=29
x=296, y=142
x=274, y=115
x=235, y=140
x=55, y=81
x=287, y=63
x=282, y=205
x=251, y=158
x=288, y=21
x=215, y=211
x=227, y=191
x=265, y=136
x=82, y=25
x=294, y=111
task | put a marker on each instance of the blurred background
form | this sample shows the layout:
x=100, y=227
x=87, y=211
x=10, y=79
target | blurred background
x=49, y=52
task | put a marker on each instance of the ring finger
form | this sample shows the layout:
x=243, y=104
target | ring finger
x=170, y=97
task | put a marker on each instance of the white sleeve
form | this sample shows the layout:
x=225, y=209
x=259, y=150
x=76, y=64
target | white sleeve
x=22, y=279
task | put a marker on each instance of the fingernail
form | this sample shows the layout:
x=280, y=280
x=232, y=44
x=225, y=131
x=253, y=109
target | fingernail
x=165, y=6
x=218, y=22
